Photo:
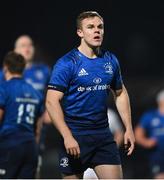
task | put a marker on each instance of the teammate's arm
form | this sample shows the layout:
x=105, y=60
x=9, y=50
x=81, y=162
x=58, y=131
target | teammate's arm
x=123, y=105
x=56, y=114
x=43, y=119
x=142, y=139
x=38, y=128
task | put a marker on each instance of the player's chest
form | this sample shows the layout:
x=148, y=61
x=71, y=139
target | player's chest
x=157, y=126
x=157, y=122
x=94, y=73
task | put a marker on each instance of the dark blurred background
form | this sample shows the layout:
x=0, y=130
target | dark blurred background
x=134, y=32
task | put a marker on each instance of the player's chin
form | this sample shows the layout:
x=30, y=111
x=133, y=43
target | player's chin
x=97, y=44
x=28, y=58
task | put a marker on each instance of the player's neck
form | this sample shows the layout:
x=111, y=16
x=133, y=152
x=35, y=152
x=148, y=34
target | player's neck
x=28, y=64
x=88, y=51
x=10, y=76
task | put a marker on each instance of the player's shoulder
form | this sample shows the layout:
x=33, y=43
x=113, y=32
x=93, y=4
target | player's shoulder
x=110, y=56
x=6, y=86
x=41, y=66
x=33, y=91
x=41, y=70
x=69, y=58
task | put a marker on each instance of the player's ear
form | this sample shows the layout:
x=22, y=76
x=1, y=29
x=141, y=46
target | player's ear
x=16, y=50
x=79, y=33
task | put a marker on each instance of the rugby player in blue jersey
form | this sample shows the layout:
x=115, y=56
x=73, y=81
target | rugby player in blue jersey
x=150, y=134
x=37, y=74
x=82, y=80
x=20, y=107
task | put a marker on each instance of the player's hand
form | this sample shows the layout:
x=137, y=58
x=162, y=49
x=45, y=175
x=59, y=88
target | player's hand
x=72, y=147
x=129, y=141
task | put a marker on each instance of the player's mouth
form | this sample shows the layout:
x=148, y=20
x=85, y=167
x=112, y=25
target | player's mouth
x=97, y=38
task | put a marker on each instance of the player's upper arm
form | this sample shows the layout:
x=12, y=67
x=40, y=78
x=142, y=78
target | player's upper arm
x=140, y=133
x=143, y=127
x=54, y=95
x=118, y=92
x=61, y=75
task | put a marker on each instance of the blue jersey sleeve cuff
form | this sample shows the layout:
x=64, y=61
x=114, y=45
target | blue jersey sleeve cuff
x=118, y=87
x=56, y=87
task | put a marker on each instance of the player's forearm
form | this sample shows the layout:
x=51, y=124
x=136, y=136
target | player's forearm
x=142, y=139
x=56, y=114
x=38, y=128
x=123, y=106
x=145, y=142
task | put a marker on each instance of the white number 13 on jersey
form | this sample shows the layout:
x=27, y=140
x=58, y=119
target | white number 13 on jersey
x=29, y=109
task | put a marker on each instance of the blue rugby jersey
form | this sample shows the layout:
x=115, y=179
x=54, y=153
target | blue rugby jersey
x=22, y=105
x=86, y=84
x=153, y=123
x=38, y=76
x=2, y=78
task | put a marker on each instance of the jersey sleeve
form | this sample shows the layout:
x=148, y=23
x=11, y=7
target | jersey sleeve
x=144, y=121
x=2, y=97
x=117, y=80
x=61, y=75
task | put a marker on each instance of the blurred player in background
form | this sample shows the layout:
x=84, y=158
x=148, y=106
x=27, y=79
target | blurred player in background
x=83, y=79
x=150, y=134
x=36, y=74
x=20, y=107
x=117, y=131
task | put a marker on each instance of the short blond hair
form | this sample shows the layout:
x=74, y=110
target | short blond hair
x=84, y=15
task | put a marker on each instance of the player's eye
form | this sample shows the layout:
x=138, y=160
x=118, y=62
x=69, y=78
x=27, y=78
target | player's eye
x=101, y=26
x=90, y=26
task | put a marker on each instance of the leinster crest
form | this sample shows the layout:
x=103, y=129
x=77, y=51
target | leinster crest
x=64, y=162
x=108, y=68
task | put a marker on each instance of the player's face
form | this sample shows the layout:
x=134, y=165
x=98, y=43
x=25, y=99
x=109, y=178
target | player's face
x=24, y=46
x=92, y=31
